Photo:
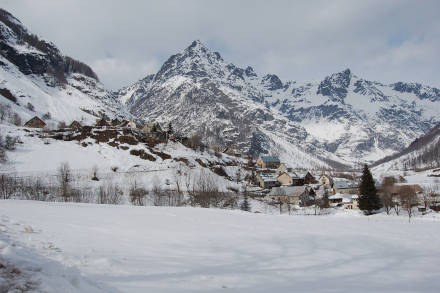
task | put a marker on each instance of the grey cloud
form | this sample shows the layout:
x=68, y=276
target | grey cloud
x=298, y=40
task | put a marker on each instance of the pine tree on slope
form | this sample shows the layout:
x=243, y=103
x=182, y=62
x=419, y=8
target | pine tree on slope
x=368, y=200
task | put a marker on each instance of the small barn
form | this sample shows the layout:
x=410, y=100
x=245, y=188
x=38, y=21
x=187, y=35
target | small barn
x=35, y=122
x=152, y=127
x=268, y=162
x=75, y=125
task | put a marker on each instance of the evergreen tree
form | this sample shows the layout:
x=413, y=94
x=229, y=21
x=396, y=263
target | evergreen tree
x=368, y=200
x=245, y=206
x=170, y=129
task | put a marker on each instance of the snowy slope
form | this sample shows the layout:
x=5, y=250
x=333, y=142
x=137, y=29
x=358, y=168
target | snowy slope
x=343, y=118
x=34, y=71
x=422, y=153
x=151, y=249
x=40, y=156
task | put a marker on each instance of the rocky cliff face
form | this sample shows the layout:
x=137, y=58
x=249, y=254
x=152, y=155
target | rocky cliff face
x=343, y=118
x=35, y=72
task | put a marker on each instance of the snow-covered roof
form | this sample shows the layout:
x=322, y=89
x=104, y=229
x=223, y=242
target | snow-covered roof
x=268, y=177
x=287, y=190
x=342, y=183
x=292, y=175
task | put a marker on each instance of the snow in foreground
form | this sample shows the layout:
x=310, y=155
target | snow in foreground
x=98, y=248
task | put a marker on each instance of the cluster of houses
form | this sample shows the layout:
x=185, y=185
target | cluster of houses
x=284, y=185
x=152, y=128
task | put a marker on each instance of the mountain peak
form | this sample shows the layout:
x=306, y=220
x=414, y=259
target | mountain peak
x=198, y=49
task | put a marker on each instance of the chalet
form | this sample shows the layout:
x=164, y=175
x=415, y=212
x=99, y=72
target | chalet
x=289, y=178
x=288, y=194
x=35, y=122
x=267, y=180
x=116, y=122
x=306, y=178
x=345, y=186
x=102, y=122
x=75, y=125
x=268, y=162
x=127, y=124
x=326, y=180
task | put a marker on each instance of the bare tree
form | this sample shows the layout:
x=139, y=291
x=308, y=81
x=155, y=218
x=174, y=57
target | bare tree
x=408, y=198
x=15, y=119
x=137, y=194
x=64, y=174
x=205, y=191
x=95, y=173
x=109, y=194
x=386, y=196
x=30, y=107
x=61, y=125
x=4, y=111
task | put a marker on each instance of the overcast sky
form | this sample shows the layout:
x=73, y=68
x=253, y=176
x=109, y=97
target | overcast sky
x=297, y=40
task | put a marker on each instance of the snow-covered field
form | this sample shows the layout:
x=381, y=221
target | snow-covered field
x=99, y=248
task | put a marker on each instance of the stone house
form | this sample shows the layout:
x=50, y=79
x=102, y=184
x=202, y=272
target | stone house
x=102, y=122
x=152, y=127
x=287, y=194
x=128, y=124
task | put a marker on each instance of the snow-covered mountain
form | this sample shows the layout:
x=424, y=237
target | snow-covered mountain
x=200, y=93
x=343, y=118
x=423, y=152
x=35, y=79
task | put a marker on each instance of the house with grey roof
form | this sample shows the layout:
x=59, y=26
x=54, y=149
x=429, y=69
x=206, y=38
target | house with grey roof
x=268, y=162
x=267, y=180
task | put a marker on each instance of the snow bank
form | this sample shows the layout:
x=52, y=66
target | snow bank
x=151, y=249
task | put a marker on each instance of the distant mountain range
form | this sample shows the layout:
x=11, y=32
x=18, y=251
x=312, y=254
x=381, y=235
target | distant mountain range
x=340, y=121
x=343, y=119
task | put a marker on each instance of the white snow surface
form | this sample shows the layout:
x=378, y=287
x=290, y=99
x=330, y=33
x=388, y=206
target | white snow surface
x=152, y=249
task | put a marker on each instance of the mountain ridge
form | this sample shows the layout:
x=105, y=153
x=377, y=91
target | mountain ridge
x=355, y=119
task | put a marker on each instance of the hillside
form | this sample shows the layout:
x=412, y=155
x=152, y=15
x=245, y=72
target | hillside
x=36, y=79
x=423, y=152
x=344, y=118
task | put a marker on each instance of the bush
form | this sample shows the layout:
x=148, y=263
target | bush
x=30, y=107
x=138, y=195
x=8, y=95
x=110, y=194
x=47, y=116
